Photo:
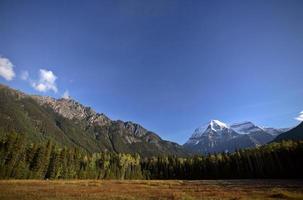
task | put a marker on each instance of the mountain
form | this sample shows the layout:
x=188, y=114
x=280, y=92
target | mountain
x=208, y=137
x=71, y=124
x=293, y=134
x=217, y=136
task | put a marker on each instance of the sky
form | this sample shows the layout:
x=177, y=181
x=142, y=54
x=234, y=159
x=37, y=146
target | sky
x=170, y=66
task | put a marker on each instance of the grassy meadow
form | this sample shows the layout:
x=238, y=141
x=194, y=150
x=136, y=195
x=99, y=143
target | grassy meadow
x=145, y=189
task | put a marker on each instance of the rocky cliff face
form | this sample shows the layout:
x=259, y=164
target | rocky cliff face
x=71, y=109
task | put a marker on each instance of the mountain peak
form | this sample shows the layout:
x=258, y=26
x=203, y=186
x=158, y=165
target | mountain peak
x=212, y=126
x=217, y=124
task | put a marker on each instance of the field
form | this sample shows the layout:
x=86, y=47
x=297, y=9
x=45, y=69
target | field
x=139, y=189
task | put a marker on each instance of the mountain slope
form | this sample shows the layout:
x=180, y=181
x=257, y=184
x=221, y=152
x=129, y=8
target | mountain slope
x=69, y=123
x=217, y=136
x=293, y=134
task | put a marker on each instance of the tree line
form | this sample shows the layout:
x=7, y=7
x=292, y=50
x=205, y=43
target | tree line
x=20, y=160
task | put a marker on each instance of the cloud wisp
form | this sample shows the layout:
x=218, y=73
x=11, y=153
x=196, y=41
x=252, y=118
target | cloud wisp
x=46, y=82
x=300, y=117
x=6, y=69
x=66, y=95
x=24, y=75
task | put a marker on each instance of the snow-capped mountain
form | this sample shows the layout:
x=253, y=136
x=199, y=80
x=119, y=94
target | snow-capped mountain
x=216, y=136
x=209, y=136
x=212, y=129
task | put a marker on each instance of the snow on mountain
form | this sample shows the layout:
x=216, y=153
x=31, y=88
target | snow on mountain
x=218, y=136
x=214, y=130
x=218, y=127
x=246, y=128
x=214, y=125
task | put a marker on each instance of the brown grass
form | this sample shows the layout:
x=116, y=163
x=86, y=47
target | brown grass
x=141, y=190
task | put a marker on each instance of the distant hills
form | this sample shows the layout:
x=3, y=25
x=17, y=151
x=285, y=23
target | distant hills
x=69, y=123
x=217, y=136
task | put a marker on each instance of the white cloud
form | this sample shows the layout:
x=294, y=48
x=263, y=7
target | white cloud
x=300, y=117
x=66, y=95
x=47, y=81
x=24, y=75
x=6, y=69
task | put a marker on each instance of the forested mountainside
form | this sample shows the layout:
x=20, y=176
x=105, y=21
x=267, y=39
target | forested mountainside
x=70, y=124
x=46, y=160
x=293, y=134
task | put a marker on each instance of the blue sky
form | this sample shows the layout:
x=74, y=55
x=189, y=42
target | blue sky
x=168, y=65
